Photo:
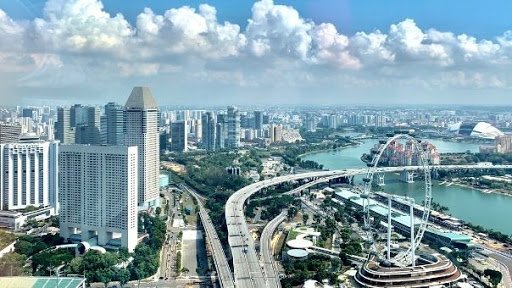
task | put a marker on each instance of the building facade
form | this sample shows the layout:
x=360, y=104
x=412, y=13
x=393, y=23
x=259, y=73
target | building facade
x=114, y=115
x=98, y=193
x=258, y=120
x=208, y=125
x=9, y=133
x=233, y=127
x=141, y=130
x=29, y=175
x=179, y=139
x=64, y=132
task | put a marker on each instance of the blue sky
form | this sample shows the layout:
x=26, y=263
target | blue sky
x=441, y=51
x=479, y=18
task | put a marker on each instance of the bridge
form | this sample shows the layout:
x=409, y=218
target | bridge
x=267, y=257
x=248, y=271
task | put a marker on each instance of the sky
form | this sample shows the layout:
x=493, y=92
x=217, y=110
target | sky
x=301, y=52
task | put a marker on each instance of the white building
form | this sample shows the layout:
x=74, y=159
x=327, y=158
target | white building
x=141, y=130
x=98, y=194
x=29, y=175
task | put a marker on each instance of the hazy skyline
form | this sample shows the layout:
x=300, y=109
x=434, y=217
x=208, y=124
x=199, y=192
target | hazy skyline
x=61, y=52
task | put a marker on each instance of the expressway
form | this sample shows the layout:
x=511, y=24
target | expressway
x=219, y=258
x=248, y=271
x=266, y=250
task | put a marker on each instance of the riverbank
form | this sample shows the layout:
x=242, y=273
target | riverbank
x=345, y=146
x=482, y=190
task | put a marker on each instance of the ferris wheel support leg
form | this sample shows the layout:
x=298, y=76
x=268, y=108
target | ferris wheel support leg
x=412, y=234
x=389, y=229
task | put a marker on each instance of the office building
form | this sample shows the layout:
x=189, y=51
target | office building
x=87, y=124
x=179, y=136
x=208, y=125
x=141, y=130
x=233, y=127
x=9, y=133
x=275, y=133
x=64, y=132
x=114, y=115
x=310, y=122
x=258, y=120
x=27, y=112
x=221, y=133
x=28, y=175
x=98, y=194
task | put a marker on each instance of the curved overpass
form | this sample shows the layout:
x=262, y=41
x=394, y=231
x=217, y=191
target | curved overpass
x=266, y=250
x=248, y=271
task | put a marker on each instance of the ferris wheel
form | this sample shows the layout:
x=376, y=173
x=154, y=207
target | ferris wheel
x=407, y=256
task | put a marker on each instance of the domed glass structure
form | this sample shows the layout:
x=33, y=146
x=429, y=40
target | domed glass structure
x=475, y=129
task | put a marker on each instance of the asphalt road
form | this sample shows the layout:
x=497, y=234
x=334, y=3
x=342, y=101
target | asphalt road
x=248, y=272
x=267, y=257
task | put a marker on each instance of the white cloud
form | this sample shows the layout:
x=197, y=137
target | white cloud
x=77, y=40
x=81, y=26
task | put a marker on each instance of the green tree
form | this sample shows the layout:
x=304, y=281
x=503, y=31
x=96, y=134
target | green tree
x=158, y=211
x=123, y=254
x=305, y=218
x=494, y=276
x=123, y=276
x=145, y=262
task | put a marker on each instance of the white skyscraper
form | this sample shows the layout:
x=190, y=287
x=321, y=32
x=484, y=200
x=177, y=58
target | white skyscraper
x=98, y=194
x=141, y=130
x=28, y=175
x=233, y=123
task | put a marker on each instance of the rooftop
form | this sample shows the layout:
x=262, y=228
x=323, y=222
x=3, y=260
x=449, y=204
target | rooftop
x=141, y=98
x=40, y=282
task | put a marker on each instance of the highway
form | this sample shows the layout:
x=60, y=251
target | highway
x=248, y=271
x=266, y=251
x=219, y=257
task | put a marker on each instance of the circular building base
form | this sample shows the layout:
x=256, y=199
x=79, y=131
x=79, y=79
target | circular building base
x=431, y=271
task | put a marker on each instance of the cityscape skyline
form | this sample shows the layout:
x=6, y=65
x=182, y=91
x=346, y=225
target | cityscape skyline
x=262, y=143
x=280, y=54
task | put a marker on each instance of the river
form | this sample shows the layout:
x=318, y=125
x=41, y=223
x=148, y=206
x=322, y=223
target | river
x=490, y=210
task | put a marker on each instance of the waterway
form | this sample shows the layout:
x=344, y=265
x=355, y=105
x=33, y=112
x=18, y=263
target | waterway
x=491, y=210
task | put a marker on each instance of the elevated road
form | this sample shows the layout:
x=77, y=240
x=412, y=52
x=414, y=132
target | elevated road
x=219, y=257
x=267, y=257
x=248, y=271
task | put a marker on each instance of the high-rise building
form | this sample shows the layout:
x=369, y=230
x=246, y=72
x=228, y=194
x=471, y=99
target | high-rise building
x=310, y=122
x=115, y=123
x=87, y=125
x=276, y=133
x=258, y=120
x=141, y=130
x=9, y=133
x=27, y=112
x=233, y=125
x=98, y=194
x=179, y=139
x=29, y=175
x=221, y=133
x=208, y=126
x=64, y=132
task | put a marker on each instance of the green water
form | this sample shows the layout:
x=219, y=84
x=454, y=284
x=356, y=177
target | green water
x=487, y=209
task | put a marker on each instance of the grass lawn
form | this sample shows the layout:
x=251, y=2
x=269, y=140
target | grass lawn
x=6, y=238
